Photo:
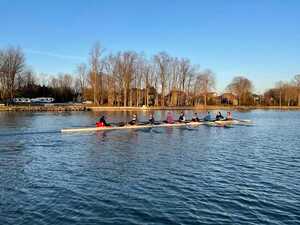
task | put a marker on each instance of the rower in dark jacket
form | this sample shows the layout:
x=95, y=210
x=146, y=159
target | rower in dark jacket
x=195, y=117
x=219, y=116
x=133, y=120
x=181, y=117
x=151, y=119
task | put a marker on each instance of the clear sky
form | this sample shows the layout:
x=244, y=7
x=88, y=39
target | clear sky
x=259, y=38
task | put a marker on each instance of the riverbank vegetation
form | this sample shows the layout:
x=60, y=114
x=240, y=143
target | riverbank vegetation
x=131, y=79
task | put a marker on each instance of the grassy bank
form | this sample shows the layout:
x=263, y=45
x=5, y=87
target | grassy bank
x=43, y=108
x=210, y=107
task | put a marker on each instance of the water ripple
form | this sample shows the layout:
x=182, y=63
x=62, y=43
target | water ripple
x=243, y=175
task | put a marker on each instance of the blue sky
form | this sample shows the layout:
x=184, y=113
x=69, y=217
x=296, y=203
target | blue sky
x=259, y=39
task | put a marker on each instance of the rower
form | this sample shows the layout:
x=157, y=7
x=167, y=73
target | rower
x=151, y=119
x=219, y=116
x=170, y=118
x=195, y=117
x=207, y=117
x=133, y=120
x=102, y=122
x=181, y=117
x=229, y=116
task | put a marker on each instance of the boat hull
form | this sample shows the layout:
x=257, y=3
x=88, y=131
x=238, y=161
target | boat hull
x=127, y=127
x=144, y=126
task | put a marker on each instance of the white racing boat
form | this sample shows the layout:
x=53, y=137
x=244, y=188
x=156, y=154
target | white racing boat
x=222, y=123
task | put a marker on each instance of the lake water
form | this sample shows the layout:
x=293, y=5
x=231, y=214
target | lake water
x=207, y=175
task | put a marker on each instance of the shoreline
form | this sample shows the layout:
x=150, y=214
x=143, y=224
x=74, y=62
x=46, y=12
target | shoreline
x=81, y=107
x=203, y=108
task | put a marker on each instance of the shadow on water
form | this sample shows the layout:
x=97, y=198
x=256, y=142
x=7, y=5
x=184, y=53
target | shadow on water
x=29, y=133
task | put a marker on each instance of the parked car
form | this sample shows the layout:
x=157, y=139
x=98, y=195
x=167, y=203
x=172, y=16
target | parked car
x=87, y=102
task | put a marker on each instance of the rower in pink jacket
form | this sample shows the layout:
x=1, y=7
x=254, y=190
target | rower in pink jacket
x=170, y=118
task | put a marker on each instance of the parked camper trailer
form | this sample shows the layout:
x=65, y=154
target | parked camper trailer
x=42, y=100
x=21, y=100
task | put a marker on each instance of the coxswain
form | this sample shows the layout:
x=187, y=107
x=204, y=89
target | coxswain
x=219, y=116
x=195, y=117
x=181, y=117
x=229, y=116
x=133, y=120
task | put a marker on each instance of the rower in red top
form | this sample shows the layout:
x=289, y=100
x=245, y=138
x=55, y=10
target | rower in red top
x=102, y=122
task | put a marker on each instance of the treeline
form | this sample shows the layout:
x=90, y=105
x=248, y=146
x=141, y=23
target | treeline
x=284, y=93
x=18, y=80
x=131, y=79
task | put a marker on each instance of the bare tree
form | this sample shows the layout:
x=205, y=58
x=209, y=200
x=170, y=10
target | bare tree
x=97, y=72
x=280, y=87
x=82, y=79
x=241, y=87
x=297, y=83
x=189, y=86
x=141, y=66
x=25, y=80
x=150, y=81
x=205, y=83
x=111, y=70
x=162, y=60
x=146, y=75
x=173, y=81
x=184, y=73
x=12, y=63
x=29, y=78
x=125, y=71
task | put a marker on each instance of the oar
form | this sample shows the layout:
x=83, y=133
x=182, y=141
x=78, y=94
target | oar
x=240, y=120
x=244, y=121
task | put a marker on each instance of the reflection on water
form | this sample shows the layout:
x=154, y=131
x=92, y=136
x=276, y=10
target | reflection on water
x=205, y=175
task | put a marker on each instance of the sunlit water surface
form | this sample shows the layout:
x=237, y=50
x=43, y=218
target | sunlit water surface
x=206, y=175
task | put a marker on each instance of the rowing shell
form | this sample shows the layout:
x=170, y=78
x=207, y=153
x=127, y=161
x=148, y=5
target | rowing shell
x=131, y=127
x=127, y=127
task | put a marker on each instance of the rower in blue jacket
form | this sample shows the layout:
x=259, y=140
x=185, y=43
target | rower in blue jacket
x=207, y=117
